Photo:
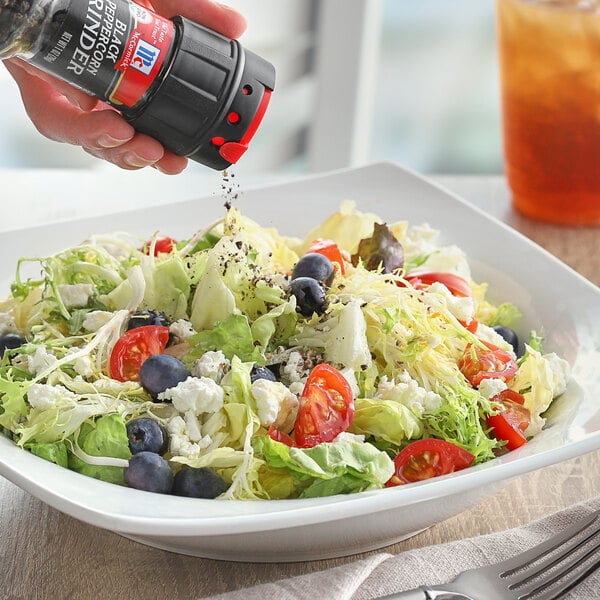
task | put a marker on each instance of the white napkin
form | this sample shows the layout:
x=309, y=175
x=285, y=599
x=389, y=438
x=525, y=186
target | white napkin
x=383, y=573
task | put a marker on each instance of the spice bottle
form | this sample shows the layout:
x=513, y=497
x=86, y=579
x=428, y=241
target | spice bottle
x=199, y=93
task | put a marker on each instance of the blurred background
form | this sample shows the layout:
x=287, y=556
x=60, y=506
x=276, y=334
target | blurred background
x=359, y=81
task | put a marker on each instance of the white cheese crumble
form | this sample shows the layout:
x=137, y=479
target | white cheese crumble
x=196, y=394
x=405, y=390
x=275, y=404
x=293, y=368
x=44, y=396
x=75, y=295
x=491, y=387
x=180, y=443
x=40, y=360
x=182, y=329
x=96, y=319
x=212, y=364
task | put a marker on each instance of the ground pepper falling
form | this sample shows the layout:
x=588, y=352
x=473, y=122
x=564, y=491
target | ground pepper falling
x=229, y=187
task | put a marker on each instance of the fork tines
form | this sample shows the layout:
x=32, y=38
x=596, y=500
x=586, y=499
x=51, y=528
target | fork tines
x=551, y=569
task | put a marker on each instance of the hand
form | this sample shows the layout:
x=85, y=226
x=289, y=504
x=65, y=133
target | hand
x=66, y=114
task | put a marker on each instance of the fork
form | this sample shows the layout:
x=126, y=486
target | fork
x=545, y=572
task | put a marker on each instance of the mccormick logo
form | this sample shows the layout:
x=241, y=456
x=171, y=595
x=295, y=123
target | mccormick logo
x=144, y=57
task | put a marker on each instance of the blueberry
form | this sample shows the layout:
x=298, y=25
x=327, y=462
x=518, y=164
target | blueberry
x=310, y=295
x=146, y=435
x=261, y=373
x=160, y=372
x=147, y=317
x=198, y=483
x=509, y=336
x=314, y=265
x=10, y=341
x=149, y=471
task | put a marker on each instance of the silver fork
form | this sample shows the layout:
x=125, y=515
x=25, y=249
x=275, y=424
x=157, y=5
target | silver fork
x=545, y=572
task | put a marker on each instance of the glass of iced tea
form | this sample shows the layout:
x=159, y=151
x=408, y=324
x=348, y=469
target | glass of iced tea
x=549, y=53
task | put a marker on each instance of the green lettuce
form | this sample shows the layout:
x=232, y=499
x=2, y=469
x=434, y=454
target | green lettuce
x=277, y=326
x=343, y=336
x=13, y=408
x=106, y=438
x=461, y=420
x=385, y=419
x=55, y=452
x=342, y=466
x=232, y=336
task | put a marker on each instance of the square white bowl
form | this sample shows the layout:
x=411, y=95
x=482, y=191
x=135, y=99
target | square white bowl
x=551, y=295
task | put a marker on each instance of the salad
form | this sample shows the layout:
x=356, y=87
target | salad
x=244, y=364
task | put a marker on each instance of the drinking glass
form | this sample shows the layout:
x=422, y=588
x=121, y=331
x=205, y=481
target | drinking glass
x=549, y=54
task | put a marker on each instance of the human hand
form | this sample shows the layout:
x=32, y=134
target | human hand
x=64, y=113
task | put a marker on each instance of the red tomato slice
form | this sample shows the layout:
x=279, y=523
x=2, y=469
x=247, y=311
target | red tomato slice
x=471, y=326
x=511, y=422
x=428, y=458
x=478, y=364
x=331, y=250
x=133, y=348
x=326, y=407
x=164, y=245
x=280, y=436
x=457, y=285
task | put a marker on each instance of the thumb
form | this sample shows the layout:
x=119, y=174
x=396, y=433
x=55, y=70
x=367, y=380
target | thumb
x=219, y=17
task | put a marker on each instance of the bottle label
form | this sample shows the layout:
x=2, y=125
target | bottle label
x=113, y=49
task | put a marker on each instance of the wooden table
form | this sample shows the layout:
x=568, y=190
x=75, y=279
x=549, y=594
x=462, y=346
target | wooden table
x=46, y=554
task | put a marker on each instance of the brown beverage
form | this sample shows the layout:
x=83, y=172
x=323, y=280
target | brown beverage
x=550, y=71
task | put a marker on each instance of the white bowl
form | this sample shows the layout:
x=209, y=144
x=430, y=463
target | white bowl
x=548, y=292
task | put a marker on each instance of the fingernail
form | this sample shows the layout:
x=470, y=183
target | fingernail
x=160, y=169
x=134, y=160
x=108, y=141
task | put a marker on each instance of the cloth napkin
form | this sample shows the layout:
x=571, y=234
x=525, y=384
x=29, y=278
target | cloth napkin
x=384, y=573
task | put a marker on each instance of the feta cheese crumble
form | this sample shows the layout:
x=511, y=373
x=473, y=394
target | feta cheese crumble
x=196, y=394
x=405, y=390
x=212, y=364
x=275, y=404
x=75, y=295
x=44, y=396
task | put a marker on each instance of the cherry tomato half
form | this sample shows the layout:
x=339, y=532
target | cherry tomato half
x=331, y=250
x=456, y=284
x=280, y=436
x=326, y=407
x=133, y=348
x=477, y=364
x=471, y=325
x=428, y=458
x=512, y=420
x=164, y=245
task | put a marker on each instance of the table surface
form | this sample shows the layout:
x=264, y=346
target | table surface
x=46, y=554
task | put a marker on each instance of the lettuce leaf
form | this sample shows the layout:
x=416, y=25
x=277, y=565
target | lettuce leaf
x=345, y=465
x=232, y=336
x=106, y=437
x=385, y=419
x=540, y=379
x=13, y=407
x=55, y=452
x=343, y=336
